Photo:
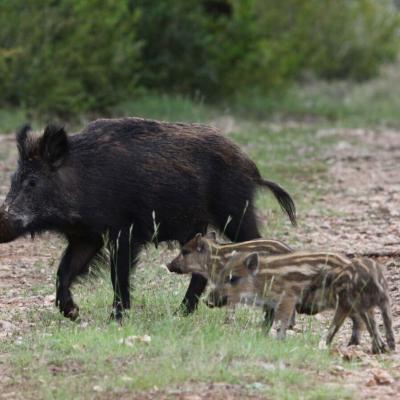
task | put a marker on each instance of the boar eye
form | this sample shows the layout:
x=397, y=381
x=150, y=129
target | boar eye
x=185, y=252
x=31, y=183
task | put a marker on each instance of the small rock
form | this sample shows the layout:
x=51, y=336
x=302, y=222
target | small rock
x=6, y=326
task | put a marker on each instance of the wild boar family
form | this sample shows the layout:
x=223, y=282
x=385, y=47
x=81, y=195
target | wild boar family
x=123, y=183
x=135, y=181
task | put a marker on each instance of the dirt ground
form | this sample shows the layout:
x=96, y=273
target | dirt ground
x=358, y=212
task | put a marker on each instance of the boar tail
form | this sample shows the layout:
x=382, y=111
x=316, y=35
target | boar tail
x=284, y=199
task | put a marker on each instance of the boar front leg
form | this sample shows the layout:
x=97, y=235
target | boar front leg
x=124, y=256
x=284, y=314
x=196, y=288
x=74, y=262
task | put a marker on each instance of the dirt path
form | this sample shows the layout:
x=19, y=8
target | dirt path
x=358, y=212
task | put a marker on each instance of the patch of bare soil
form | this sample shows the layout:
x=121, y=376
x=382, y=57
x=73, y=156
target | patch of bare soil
x=196, y=391
x=358, y=213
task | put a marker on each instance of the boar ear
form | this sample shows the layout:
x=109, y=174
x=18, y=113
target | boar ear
x=212, y=235
x=54, y=145
x=22, y=136
x=251, y=263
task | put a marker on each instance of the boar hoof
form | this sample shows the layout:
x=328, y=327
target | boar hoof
x=72, y=313
x=182, y=311
x=392, y=344
x=379, y=348
x=354, y=341
x=115, y=317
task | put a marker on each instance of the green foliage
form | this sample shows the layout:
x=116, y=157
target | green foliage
x=351, y=38
x=179, y=47
x=262, y=44
x=67, y=56
x=76, y=56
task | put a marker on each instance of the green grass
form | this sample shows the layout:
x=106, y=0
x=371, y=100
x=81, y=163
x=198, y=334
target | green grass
x=372, y=103
x=63, y=360
x=11, y=119
x=166, y=108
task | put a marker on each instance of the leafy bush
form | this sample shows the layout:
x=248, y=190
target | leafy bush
x=75, y=56
x=181, y=46
x=351, y=38
x=67, y=56
x=263, y=44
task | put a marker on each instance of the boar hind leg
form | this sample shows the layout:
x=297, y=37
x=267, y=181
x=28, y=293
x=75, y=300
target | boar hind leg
x=378, y=345
x=124, y=255
x=77, y=256
x=387, y=321
x=243, y=226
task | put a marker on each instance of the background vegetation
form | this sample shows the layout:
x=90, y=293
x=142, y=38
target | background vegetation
x=71, y=57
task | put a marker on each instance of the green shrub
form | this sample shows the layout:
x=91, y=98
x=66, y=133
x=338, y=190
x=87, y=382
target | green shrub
x=350, y=39
x=262, y=44
x=68, y=56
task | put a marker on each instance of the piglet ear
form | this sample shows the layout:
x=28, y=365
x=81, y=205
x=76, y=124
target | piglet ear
x=212, y=235
x=199, y=242
x=252, y=262
x=53, y=146
x=22, y=136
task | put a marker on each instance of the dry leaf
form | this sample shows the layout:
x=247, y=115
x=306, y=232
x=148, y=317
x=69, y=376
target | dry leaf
x=382, y=377
x=350, y=353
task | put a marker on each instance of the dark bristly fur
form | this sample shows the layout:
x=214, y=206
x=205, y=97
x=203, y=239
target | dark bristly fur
x=285, y=202
x=311, y=282
x=125, y=177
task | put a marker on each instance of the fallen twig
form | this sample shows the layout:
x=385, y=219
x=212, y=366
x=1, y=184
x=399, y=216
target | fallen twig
x=375, y=253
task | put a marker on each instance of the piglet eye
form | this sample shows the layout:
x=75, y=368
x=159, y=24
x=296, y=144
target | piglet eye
x=31, y=183
x=234, y=279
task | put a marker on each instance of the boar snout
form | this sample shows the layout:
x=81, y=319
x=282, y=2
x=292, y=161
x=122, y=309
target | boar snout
x=8, y=226
x=174, y=267
x=215, y=300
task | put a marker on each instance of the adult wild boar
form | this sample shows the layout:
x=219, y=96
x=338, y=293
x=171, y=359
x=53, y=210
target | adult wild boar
x=137, y=181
